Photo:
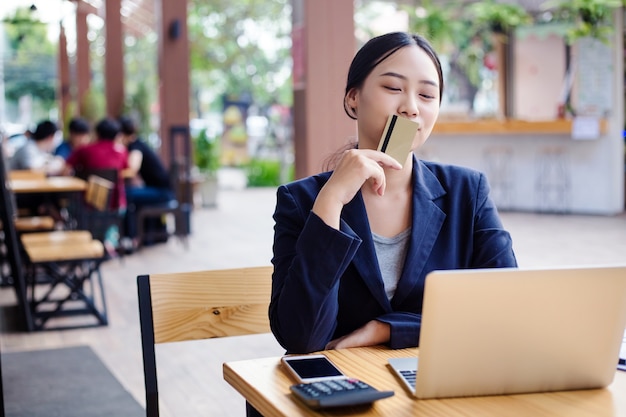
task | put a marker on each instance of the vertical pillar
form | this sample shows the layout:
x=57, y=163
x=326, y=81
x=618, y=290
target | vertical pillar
x=64, y=77
x=174, y=89
x=2, y=91
x=83, y=70
x=323, y=46
x=114, y=59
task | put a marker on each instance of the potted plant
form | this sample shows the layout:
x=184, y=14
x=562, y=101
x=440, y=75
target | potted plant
x=206, y=158
x=499, y=18
x=590, y=18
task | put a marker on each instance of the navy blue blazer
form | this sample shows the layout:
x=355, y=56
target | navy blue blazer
x=327, y=282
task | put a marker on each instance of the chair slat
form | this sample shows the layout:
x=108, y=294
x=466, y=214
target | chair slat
x=65, y=252
x=31, y=223
x=206, y=304
x=59, y=236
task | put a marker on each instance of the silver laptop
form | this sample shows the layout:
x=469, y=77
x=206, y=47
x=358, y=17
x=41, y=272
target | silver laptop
x=505, y=331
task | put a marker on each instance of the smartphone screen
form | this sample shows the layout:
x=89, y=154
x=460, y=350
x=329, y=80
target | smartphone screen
x=311, y=368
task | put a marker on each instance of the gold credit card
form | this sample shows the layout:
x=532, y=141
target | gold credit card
x=398, y=137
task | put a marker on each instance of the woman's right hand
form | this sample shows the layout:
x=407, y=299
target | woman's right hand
x=356, y=167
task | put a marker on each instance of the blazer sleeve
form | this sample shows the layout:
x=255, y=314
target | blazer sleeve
x=309, y=259
x=493, y=246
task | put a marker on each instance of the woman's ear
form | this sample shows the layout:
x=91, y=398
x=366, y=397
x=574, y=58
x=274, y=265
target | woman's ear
x=351, y=98
x=351, y=101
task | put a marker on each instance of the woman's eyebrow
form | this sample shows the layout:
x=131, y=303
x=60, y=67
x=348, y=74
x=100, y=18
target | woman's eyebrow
x=402, y=77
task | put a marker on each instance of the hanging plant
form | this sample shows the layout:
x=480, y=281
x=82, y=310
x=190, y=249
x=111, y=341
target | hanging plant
x=441, y=25
x=498, y=17
x=590, y=18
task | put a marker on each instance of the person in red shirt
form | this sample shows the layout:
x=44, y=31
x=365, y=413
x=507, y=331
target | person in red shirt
x=105, y=153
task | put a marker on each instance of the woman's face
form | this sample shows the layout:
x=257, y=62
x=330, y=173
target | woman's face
x=406, y=84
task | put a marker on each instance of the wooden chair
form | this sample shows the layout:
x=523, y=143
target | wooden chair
x=98, y=193
x=179, y=208
x=98, y=217
x=29, y=223
x=199, y=305
x=11, y=269
x=53, y=274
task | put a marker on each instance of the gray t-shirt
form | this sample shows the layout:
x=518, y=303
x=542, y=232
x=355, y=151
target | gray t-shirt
x=391, y=253
x=29, y=156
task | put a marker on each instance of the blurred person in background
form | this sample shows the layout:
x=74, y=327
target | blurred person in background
x=78, y=136
x=148, y=181
x=105, y=153
x=36, y=153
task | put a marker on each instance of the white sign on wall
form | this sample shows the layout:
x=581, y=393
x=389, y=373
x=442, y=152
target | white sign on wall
x=593, y=93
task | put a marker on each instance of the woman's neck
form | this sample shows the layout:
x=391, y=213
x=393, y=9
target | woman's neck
x=400, y=180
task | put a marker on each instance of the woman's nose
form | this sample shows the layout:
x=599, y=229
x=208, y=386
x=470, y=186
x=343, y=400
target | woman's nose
x=409, y=107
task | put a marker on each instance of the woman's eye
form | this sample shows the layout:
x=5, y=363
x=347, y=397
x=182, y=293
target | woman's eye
x=392, y=88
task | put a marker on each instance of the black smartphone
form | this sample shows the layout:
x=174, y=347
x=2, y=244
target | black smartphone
x=311, y=368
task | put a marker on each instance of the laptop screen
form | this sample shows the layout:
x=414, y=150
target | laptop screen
x=504, y=331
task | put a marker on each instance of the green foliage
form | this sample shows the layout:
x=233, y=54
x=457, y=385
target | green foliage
x=93, y=106
x=498, y=17
x=263, y=173
x=138, y=105
x=206, y=153
x=438, y=24
x=69, y=112
x=590, y=18
x=140, y=80
x=240, y=47
x=30, y=64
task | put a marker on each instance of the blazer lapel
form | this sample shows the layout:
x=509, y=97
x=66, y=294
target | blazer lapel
x=365, y=260
x=427, y=221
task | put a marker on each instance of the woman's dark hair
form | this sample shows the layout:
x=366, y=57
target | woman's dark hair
x=107, y=129
x=375, y=51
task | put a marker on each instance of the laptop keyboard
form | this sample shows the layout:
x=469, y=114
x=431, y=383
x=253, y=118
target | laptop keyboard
x=409, y=376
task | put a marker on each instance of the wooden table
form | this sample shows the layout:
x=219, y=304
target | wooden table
x=265, y=385
x=48, y=185
x=56, y=189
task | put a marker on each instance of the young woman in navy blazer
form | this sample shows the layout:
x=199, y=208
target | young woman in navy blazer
x=328, y=290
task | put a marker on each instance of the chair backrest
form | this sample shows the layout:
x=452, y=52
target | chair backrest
x=7, y=217
x=110, y=174
x=199, y=305
x=98, y=193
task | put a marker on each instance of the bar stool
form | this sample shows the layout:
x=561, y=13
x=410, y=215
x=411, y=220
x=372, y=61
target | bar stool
x=498, y=162
x=552, y=179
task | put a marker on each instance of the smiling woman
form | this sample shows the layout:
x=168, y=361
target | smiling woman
x=352, y=246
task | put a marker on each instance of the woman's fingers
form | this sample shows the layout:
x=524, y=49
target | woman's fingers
x=363, y=165
x=356, y=167
x=382, y=158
